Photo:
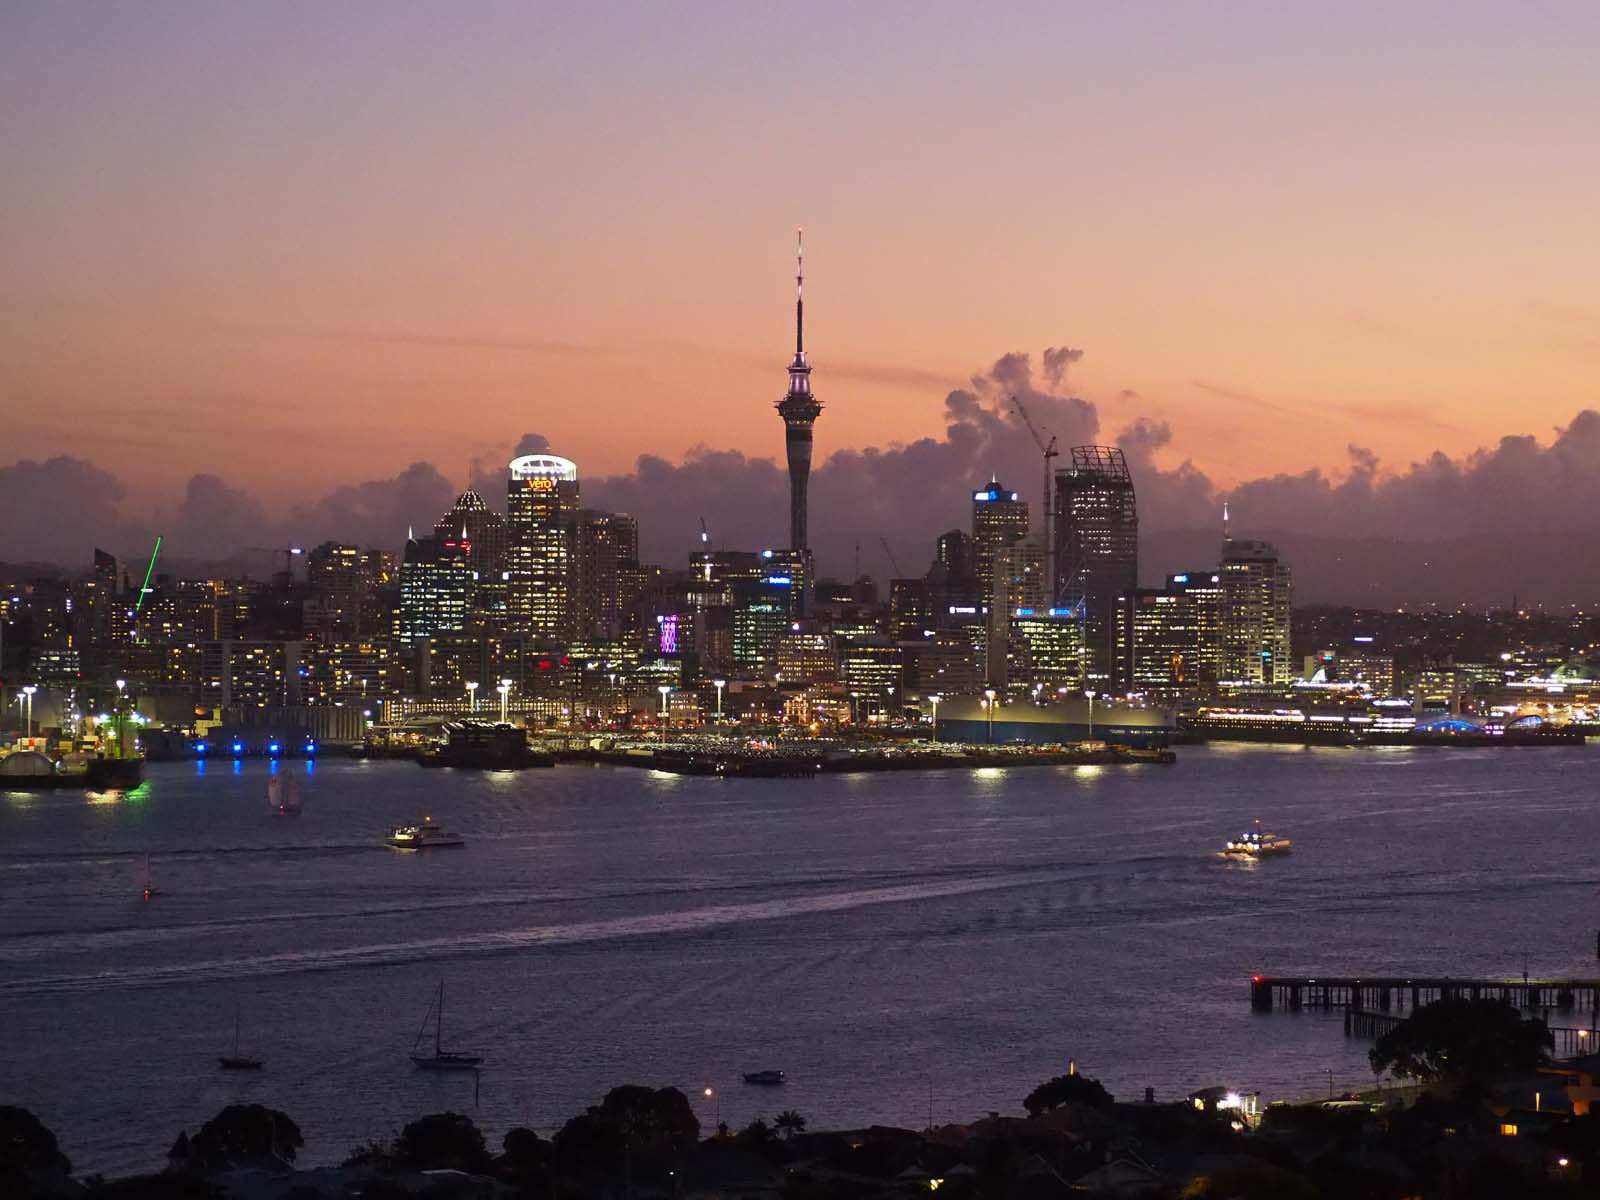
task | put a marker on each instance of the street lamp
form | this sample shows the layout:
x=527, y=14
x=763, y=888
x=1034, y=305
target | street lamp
x=472, y=696
x=988, y=705
x=1089, y=692
x=855, y=708
x=27, y=711
x=888, y=711
x=935, y=698
x=505, y=692
x=721, y=683
x=716, y=1101
x=666, y=690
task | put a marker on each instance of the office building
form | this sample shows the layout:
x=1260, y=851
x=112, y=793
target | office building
x=1257, y=590
x=999, y=518
x=436, y=585
x=541, y=497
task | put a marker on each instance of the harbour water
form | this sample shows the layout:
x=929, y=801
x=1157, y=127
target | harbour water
x=883, y=939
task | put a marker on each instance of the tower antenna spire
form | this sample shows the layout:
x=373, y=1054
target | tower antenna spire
x=799, y=290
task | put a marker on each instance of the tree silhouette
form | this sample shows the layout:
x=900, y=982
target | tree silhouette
x=1468, y=1043
x=245, y=1133
x=1067, y=1089
x=442, y=1141
x=26, y=1145
x=790, y=1122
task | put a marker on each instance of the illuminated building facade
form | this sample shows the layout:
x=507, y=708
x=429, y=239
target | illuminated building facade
x=1097, y=549
x=872, y=667
x=337, y=579
x=1171, y=638
x=436, y=585
x=1047, y=648
x=604, y=548
x=762, y=613
x=541, y=497
x=807, y=658
x=1257, y=591
x=999, y=518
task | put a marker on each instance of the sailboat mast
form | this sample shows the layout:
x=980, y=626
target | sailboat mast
x=236, y=1029
x=438, y=1028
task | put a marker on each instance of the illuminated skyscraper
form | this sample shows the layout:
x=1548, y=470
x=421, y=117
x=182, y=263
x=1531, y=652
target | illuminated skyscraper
x=541, y=498
x=1097, y=550
x=435, y=587
x=999, y=518
x=1257, y=591
x=799, y=410
x=605, y=546
x=484, y=529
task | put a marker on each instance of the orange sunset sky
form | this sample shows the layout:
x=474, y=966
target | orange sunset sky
x=303, y=244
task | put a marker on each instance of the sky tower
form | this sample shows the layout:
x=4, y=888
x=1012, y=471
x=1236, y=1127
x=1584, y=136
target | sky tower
x=799, y=410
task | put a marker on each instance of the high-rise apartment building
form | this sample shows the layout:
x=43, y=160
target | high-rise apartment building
x=1097, y=550
x=541, y=497
x=337, y=580
x=1257, y=591
x=604, y=547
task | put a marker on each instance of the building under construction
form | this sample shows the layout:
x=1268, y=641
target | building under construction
x=1096, y=551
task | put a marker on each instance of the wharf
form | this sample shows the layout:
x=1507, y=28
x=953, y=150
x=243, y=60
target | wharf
x=1383, y=994
x=801, y=763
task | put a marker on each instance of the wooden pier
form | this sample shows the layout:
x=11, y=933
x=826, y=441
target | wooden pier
x=1383, y=994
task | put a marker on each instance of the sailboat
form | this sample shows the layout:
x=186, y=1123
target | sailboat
x=149, y=888
x=441, y=1059
x=237, y=1061
x=283, y=795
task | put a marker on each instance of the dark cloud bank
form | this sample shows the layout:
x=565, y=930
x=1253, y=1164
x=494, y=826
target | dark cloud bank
x=1515, y=518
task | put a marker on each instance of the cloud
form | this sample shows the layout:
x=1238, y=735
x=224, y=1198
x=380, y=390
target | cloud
x=1056, y=361
x=216, y=519
x=1439, y=529
x=59, y=507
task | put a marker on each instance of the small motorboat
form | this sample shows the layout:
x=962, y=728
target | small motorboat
x=423, y=836
x=1256, y=843
x=764, y=1078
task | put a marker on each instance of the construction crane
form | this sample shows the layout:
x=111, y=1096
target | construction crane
x=1049, y=451
x=288, y=552
x=893, y=561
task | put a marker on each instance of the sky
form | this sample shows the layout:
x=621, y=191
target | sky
x=301, y=247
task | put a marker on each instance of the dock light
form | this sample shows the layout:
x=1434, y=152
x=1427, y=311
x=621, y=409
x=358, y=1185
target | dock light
x=273, y=747
x=238, y=747
x=311, y=747
x=199, y=747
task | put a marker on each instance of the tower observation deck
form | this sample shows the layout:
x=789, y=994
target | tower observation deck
x=799, y=410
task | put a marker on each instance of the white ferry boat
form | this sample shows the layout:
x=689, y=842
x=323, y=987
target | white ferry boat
x=1255, y=843
x=425, y=836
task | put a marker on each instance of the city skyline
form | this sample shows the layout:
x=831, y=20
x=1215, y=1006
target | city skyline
x=484, y=250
